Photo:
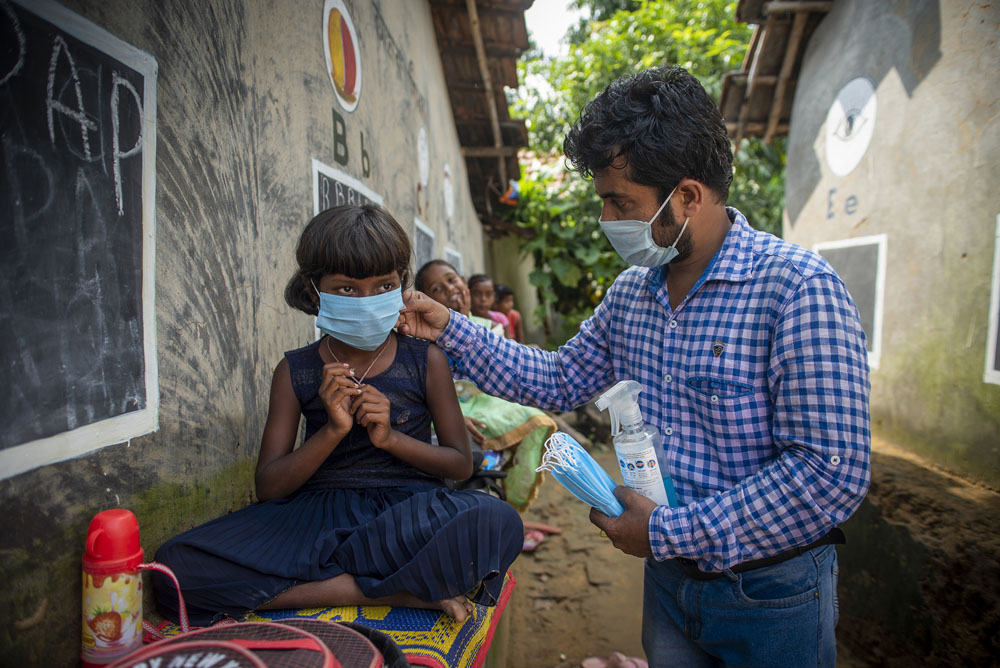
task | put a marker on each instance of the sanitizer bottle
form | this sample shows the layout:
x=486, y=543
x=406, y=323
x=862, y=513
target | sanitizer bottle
x=636, y=444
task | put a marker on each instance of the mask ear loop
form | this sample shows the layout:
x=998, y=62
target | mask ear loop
x=683, y=227
x=660, y=210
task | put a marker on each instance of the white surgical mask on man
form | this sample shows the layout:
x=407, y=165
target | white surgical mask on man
x=633, y=239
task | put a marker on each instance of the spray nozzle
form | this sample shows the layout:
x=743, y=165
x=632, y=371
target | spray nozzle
x=622, y=402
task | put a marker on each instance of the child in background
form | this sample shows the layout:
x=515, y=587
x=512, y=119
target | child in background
x=358, y=514
x=441, y=282
x=493, y=423
x=482, y=296
x=505, y=304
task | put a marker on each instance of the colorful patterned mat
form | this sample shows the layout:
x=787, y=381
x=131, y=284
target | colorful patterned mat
x=426, y=637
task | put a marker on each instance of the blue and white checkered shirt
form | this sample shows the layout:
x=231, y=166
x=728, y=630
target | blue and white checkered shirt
x=757, y=383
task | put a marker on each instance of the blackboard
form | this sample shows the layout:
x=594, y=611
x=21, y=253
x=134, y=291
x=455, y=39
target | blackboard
x=860, y=262
x=423, y=244
x=77, y=110
x=332, y=187
x=454, y=258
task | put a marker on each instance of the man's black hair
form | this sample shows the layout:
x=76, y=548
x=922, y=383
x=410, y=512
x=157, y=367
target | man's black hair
x=665, y=127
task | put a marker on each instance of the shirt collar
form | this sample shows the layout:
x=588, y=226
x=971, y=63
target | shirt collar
x=732, y=262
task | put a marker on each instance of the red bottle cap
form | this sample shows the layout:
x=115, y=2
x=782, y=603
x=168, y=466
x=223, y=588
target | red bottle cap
x=113, y=543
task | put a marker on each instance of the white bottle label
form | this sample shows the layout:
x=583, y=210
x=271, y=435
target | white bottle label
x=641, y=473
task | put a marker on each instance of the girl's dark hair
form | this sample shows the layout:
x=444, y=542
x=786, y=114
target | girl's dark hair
x=356, y=241
x=476, y=279
x=502, y=291
x=664, y=125
x=420, y=280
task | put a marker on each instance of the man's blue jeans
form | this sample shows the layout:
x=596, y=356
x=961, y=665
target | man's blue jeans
x=780, y=615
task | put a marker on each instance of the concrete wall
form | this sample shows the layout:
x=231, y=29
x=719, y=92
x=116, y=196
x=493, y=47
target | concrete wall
x=912, y=591
x=928, y=182
x=244, y=105
x=512, y=267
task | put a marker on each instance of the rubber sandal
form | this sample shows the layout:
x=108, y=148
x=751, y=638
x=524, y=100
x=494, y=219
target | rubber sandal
x=594, y=662
x=544, y=528
x=619, y=660
x=532, y=539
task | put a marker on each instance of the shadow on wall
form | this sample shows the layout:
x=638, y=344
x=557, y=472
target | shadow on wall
x=919, y=576
x=868, y=39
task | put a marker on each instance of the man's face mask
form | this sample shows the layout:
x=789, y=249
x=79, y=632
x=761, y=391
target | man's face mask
x=633, y=239
x=360, y=322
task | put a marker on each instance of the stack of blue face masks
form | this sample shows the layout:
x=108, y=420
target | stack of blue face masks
x=577, y=471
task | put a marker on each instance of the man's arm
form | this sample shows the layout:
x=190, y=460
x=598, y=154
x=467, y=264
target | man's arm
x=559, y=380
x=818, y=380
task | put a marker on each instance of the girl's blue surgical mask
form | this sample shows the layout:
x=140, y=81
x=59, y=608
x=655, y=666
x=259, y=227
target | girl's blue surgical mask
x=360, y=322
x=633, y=239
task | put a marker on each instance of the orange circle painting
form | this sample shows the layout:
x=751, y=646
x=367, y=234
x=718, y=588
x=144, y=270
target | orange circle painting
x=343, y=57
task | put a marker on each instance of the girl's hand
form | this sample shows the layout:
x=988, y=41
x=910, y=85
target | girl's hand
x=336, y=391
x=473, y=426
x=463, y=302
x=371, y=410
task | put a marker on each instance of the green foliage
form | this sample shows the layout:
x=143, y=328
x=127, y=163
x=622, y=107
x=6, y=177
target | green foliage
x=576, y=262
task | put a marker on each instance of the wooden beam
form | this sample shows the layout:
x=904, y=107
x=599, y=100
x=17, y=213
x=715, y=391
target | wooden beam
x=787, y=6
x=484, y=69
x=787, y=67
x=756, y=128
x=488, y=151
x=765, y=34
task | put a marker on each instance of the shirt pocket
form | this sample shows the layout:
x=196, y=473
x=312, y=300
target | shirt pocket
x=732, y=419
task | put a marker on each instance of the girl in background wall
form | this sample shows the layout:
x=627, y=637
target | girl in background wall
x=516, y=431
x=359, y=513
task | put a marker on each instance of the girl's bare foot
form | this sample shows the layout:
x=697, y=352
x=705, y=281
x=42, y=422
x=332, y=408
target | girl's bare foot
x=458, y=607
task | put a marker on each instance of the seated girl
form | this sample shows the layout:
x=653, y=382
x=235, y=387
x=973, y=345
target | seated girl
x=358, y=514
x=493, y=423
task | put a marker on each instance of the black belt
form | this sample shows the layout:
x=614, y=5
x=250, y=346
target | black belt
x=690, y=567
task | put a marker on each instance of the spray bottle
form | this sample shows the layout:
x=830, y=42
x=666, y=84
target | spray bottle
x=637, y=444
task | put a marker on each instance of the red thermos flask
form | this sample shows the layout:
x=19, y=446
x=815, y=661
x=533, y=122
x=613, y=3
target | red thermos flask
x=112, y=588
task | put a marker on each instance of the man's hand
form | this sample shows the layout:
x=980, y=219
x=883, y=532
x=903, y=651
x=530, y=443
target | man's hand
x=422, y=317
x=629, y=532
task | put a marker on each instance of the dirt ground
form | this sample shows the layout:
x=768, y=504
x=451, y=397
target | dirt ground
x=577, y=596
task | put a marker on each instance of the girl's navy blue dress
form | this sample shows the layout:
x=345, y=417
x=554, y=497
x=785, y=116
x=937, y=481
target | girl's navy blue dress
x=364, y=512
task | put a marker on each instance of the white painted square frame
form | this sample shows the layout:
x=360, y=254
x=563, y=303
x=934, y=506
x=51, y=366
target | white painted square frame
x=420, y=226
x=881, y=240
x=454, y=258
x=337, y=175
x=990, y=374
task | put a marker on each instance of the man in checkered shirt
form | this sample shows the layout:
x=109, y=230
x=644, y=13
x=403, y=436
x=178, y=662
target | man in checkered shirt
x=753, y=363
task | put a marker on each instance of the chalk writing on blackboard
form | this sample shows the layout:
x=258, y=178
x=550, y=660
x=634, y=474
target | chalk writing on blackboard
x=77, y=165
x=332, y=187
x=860, y=263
